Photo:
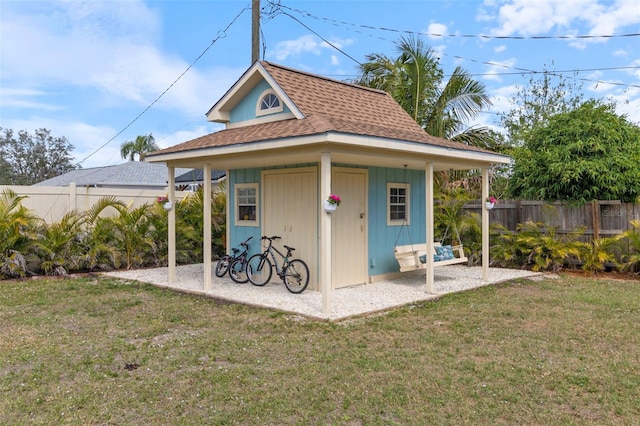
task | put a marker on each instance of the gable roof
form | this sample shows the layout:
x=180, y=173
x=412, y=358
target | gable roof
x=320, y=106
x=196, y=175
x=131, y=173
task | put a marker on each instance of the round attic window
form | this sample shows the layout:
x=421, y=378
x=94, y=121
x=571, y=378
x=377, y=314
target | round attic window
x=269, y=103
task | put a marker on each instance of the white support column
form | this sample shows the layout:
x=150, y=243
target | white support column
x=485, y=226
x=171, y=238
x=326, y=285
x=227, y=214
x=428, y=177
x=206, y=228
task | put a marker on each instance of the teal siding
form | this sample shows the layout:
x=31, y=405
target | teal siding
x=246, y=108
x=382, y=238
x=238, y=234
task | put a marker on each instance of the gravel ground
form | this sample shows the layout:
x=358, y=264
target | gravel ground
x=344, y=302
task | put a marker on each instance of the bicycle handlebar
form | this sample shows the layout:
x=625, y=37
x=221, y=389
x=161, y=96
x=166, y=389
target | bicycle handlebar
x=275, y=237
x=244, y=243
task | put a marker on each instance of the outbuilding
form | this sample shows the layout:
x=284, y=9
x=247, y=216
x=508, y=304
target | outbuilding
x=291, y=140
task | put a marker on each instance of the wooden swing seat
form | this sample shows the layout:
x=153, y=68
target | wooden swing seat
x=408, y=256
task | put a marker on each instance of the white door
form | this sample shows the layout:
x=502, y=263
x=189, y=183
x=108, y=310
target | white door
x=290, y=211
x=348, y=228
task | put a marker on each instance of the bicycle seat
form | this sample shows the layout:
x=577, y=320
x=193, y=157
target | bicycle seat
x=235, y=250
x=288, y=248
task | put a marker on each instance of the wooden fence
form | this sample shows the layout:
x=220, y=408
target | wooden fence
x=50, y=203
x=597, y=218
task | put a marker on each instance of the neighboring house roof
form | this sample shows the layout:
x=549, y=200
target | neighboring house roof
x=318, y=105
x=131, y=173
x=195, y=175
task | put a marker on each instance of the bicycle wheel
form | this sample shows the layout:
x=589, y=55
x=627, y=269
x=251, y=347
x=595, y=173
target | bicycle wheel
x=259, y=269
x=238, y=271
x=222, y=267
x=296, y=276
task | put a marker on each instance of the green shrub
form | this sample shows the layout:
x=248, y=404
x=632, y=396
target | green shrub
x=535, y=245
x=17, y=233
x=631, y=261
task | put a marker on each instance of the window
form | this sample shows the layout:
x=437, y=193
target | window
x=268, y=103
x=397, y=203
x=247, y=204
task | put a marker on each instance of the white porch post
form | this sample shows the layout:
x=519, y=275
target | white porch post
x=171, y=239
x=326, y=287
x=206, y=229
x=485, y=226
x=428, y=177
x=227, y=215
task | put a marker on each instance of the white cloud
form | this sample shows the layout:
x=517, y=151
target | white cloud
x=436, y=31
x=493, y=71
x=501, y=98
x=107, y=47
x=500, y=49
x=538, y=17
x=305, y=44
x=84, y=137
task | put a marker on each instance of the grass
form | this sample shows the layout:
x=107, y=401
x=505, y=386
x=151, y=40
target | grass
x=107, y=351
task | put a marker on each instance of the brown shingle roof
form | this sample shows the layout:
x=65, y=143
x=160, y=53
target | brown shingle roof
x=328, y=106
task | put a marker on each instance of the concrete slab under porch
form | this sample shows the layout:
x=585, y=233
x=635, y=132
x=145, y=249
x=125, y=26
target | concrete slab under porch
x=347, y=302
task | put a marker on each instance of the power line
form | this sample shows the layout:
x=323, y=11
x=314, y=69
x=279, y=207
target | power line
x=277, y=8
x=481, y=36
x=221, y=34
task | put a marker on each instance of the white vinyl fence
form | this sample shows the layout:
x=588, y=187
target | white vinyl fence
x=50, y=203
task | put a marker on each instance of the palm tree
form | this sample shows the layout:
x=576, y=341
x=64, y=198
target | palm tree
x=414, y=81
x=17, y=232
x=142, y=145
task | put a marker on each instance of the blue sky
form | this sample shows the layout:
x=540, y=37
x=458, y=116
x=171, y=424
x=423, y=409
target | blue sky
x=88, y=70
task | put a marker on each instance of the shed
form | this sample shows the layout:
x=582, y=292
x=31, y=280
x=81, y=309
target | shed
x=291, y=139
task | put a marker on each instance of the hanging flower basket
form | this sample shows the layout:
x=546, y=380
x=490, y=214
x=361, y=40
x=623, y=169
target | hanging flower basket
x=331, y=203
x=328, y=207
x=165, y=202
x=490, y=202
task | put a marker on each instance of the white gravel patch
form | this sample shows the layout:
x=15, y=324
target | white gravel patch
x=344, y=303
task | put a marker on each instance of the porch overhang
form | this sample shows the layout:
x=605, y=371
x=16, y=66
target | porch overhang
x=344, y=148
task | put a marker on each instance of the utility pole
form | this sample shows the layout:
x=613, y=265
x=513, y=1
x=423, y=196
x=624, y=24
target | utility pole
x=255, y=30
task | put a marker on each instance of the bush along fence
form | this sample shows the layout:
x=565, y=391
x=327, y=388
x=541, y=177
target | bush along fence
x=108, y=235
x=596, y=219
x=596, y=236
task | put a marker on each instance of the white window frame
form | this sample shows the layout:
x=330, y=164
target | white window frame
x=261, y=112
x=236, y=214
x=407, y=188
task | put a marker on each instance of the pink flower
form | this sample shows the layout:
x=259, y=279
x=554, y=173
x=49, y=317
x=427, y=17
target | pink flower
x=334, y=199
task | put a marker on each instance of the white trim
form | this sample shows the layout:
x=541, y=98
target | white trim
x=236, y=211
x=260, y=120
x=260, y=112
x=240, y=88
x=407, y=188
x=344, y=140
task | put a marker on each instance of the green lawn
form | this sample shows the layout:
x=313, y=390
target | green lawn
x=106, y=351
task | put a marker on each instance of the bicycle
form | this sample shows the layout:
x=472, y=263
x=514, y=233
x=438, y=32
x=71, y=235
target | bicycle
x=235, y=263
x=294, y=273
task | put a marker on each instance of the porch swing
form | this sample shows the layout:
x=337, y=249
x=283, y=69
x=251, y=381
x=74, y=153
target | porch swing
x=412, y=256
